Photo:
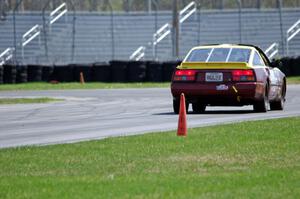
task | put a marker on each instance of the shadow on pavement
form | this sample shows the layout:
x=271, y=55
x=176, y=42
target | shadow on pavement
x=211, y=112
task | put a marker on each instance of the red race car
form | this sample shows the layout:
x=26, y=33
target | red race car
x=228, y=75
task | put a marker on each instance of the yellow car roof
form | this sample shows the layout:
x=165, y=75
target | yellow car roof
x=224, y=46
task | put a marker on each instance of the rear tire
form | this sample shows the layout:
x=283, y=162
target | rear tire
x=198, y=107
x=263, y=105
x=176, y=106
x=279, y=105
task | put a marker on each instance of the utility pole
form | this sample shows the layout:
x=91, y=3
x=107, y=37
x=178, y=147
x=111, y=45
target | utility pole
x=239, y=3
x=149, y=6
x=279, y=6
x=175, y=30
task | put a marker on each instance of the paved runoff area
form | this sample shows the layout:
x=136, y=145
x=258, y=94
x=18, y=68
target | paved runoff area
x=97, y=114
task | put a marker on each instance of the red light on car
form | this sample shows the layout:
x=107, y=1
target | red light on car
x=184, y=75
x=248, y=72
x=236, y=73
x=178, y=73
x=243, y=75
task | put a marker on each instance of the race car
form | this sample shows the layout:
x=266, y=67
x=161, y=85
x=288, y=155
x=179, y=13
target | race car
x=228, y=75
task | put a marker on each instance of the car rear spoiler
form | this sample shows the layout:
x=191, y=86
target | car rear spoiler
x=214, y=65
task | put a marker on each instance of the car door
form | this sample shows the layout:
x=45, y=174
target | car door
x=275, y=78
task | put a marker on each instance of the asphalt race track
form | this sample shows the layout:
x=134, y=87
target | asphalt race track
x=97, y=114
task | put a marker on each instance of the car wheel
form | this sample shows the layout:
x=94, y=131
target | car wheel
x=279, y=105
x=176, y=106
x=263, y=105
x=198, y=107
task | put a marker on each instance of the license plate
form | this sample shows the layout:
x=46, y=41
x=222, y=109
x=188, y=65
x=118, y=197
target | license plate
x=214, y=77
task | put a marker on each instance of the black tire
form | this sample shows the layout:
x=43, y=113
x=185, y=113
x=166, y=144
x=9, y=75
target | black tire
x=198, y=107
x=136, y=71
x=47, y=73
x=154, y=72
x=1, y=74
x=21, y=74
x=101, y=72
x=176, y=106
x=85, y=69
x=297, y=68
x=285, y=67
x=119, y=71
x=279, y=105
x=9, y=74
x=263, y=105
x=63, y=73
x=168, y=69
x=34, y=73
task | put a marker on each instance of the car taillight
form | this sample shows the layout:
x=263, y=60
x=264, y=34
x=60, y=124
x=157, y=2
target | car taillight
x=243, y=75
x=184, y=75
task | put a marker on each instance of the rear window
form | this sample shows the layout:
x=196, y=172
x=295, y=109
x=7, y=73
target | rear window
x=219, y=55
x=199, y=55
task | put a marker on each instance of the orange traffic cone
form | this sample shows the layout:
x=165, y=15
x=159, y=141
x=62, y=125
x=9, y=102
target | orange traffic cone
x=182, y=124
x=81, y=78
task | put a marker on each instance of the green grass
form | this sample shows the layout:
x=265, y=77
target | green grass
x=98, y=85
x=27, y=100
x=246, y=160
x=293, y=80
x=61, y=86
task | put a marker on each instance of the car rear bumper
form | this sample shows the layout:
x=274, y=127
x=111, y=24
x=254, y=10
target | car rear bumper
x=241, y=93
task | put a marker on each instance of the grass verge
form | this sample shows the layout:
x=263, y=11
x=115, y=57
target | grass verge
x=27, y=100
x=258, y=159
x=293, y=80
x=74, y=85
x=97, y=85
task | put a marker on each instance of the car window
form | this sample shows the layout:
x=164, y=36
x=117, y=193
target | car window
x=198, y=55
x=239, y=55
x=219, y=55
x=257, y=61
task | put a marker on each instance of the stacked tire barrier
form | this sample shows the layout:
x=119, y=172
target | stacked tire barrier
x=63, y=73
x=290, y=66
x=101, y=72
x=168, y=69
x=1, y=74
x=22, y=74
x=136, y=71
x=85, y=69
x=119, y=71
x=154, y=72
x=9, y=74
x=114, y=71
x=34, y=73
x=47, y=73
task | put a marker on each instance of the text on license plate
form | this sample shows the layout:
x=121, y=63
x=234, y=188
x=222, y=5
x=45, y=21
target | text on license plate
x=214, y=77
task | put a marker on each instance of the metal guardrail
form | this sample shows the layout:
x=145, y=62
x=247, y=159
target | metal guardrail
x=57, y=13
x=161, y=33
x=165, y=30
x=6, y=55
x=291, y=33
x=138, y=54
x=186, y=12
x=272, y=50
x=29, y=36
